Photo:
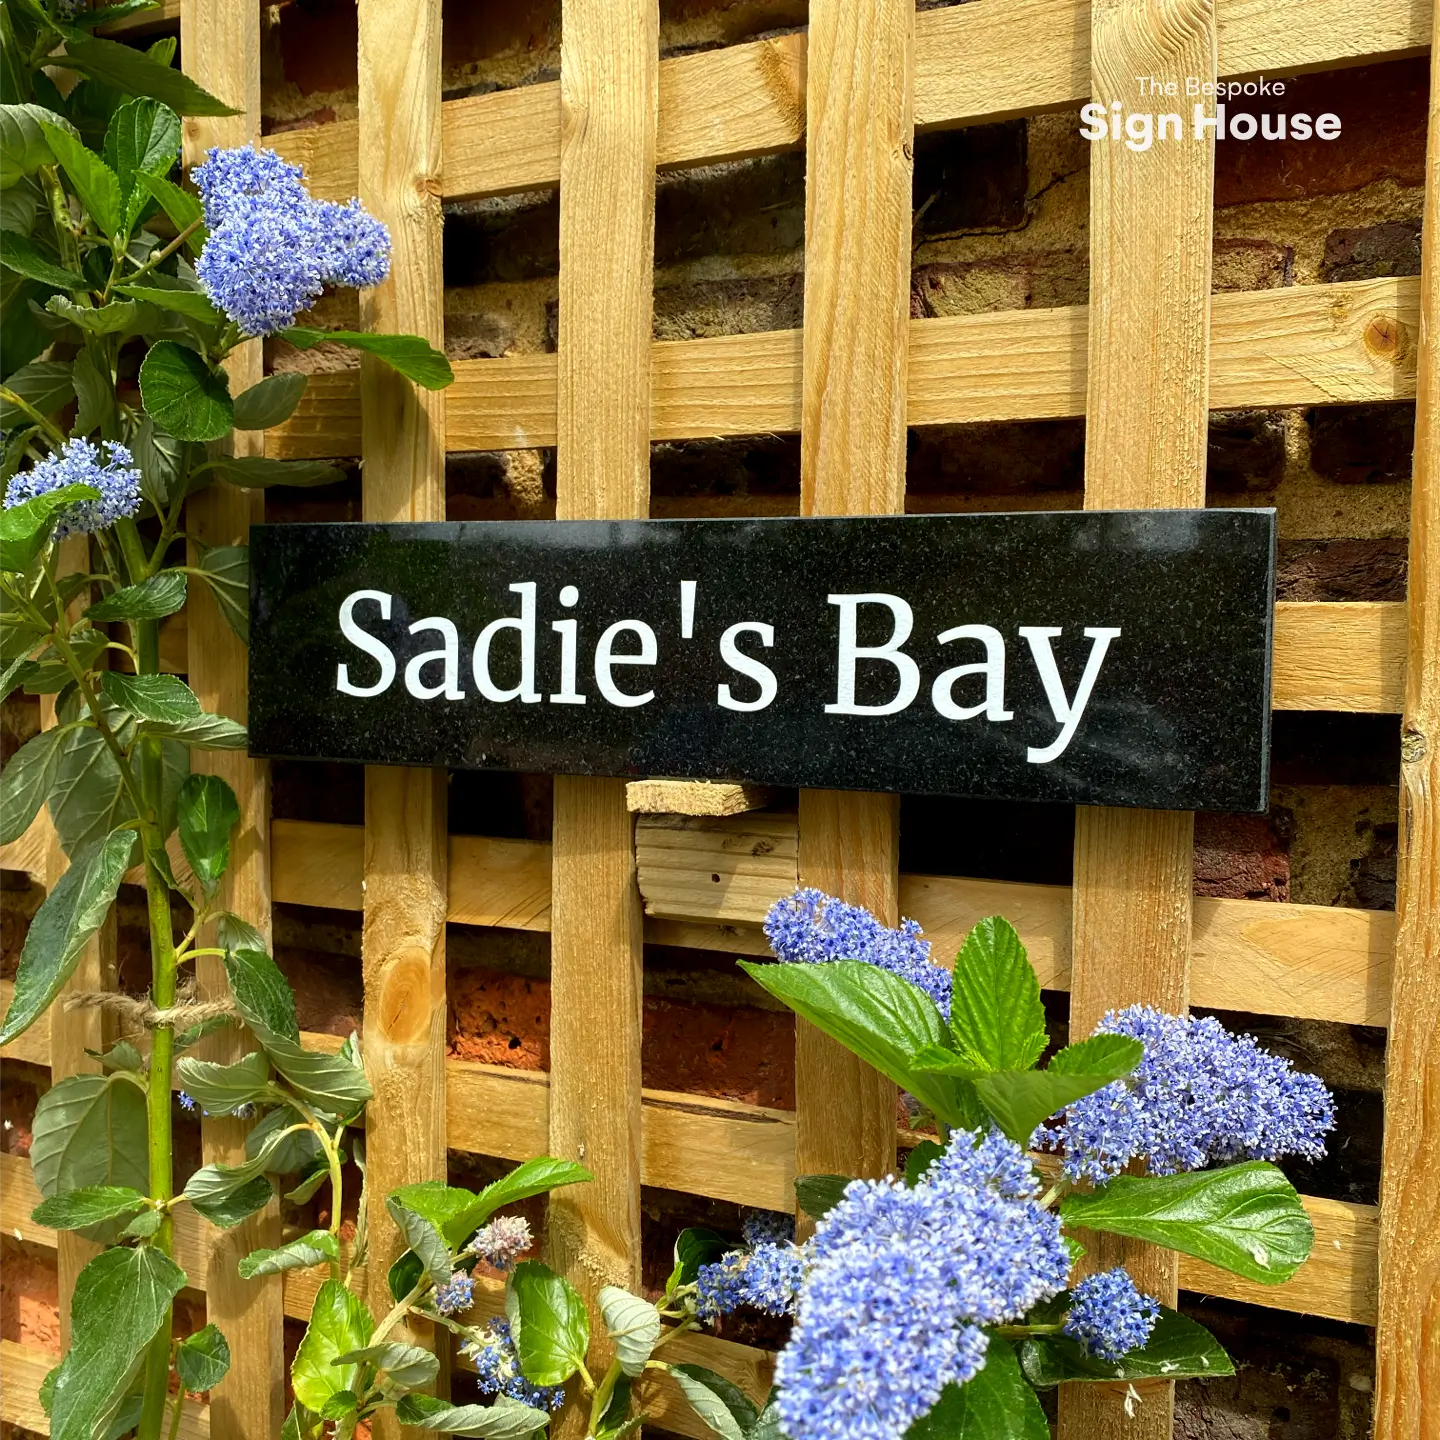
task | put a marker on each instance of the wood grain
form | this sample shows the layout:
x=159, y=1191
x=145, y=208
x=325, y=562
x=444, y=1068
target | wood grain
x=1340, y=657
x=1151, y=220
x=403, y=428
x=694, y=797
x=1353, y=342
x=859, y=161
x=1407, y=1339
x=221, y=40
x=609, y=99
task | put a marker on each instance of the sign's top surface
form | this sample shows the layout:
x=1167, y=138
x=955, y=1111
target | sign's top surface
x=1101, y=657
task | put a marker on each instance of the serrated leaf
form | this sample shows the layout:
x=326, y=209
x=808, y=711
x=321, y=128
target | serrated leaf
x=877, y=1016
x=411, y=1366
x=24, y=145
x=190, y=303
x=270, y=401
x=144, y=1225
x=548, y=1322
x=504, y=1419
x=423, y=1238
x=24, y=528
x=1020, y=1100
x=109, y=319
x=339, y=1323
x=24, y=257
x=696, y=1246
x=1245, y=1218
x=89, y=1205
x=95, y=394
x=46, y=385
x=200, y=732
x=333, y=1083
x=152, y=599
x=920, y=1159
x=207, y=812
x=224, y=1200
x=143, y=137
x=70, y=915
x=996, y=1018
x=184, y=395
x=94, y=181
x=164, y=698
x=182, y=208
x=262, y=994
x=318, y=1247
x=534, y=1177
x=227, y=572
x=133, y=72
x=120, y=1300
x=1178, y=1349
x=817, y=1195
x=90, y=1130
x=412, y=356
x=995, y=1404
x=219, y=1089
x=27, y=781
x=202, y=1360
x=720, y=1403
x=633, y=1324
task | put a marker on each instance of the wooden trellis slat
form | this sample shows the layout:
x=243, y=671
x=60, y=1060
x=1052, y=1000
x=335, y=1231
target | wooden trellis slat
x=403, y=944
x=1407, y=1341
x=1151, y=222
x=608, y=83
x=859, y=151
x=1348, y=343
x=221, y=41
x=984, y=61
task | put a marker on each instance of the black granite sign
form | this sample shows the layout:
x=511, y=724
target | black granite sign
x=1117, y=658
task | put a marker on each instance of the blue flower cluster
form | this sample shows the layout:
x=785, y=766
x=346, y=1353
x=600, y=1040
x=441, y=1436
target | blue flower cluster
x=272, y=248
x=109, y=467
x=811, y=927
x=764, y=1275
x=497, y=1367
x=1109, y=1316
x=457, y=1295
x=899, y=1282
x=1201, y=1096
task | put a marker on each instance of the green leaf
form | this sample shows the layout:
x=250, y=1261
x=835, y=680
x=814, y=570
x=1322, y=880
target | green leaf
x=435, y=1201
x=106, y=14
x=182, y=208
x=270, y=401
x=225, y=1198
x=24, y=528
x=70, y=915
x=202, y=1360
x=184, y=395
x=152, y=599
x=90, y=1205
x=262, y=994
x=122, y=1055
x=24, y=143
x=876, y=1015
x=333, y=1083
x=534, y=1177
x=144, y=1225
x=25, y=258
x=920, y=1159
x=818, y=1195
x=1178, y=1349
x=111, y=319
x=143, y=137
x=47, y=385
x=504, y=1419
x=164, y=698
x=996, y=1404
x=200, y=732
x=95, y=182
x=27, y=781
x=296, y=1152
x=548, y=1322
x=996, y=1018
x=404, y=1275
x=219, y=1089
x=413, y=357
x=319, y=1247
x=207, y=812
x=133, y=72
x=227, y=572
x=119, y=1303
x=96, y=394
x=633, y=1324
x=255, y=472
x=721, y=1404
x=340, y=1405
x=423, y=1238
x=339, y=1323
x=695, y=1246
x=1245, y=1218
x=767, y=1427
x=90, y=1130
x=409, y=1365
x=192, y=304
x=1019, y=1100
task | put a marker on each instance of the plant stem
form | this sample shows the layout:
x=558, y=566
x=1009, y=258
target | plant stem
x=161, y=256
x=603, y=1393
x=53, y=433
x=398, y=1311
x=162, y=1042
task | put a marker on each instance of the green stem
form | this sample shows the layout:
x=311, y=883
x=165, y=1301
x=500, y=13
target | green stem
x=162, y=1045
x=399, y=1311
x=52, y=432
x=161, y=256
x=603, y=1394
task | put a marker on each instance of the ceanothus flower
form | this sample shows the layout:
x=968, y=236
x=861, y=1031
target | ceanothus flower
x=272, y=248
x=899, y=1281
x=811, y=927
x=457, y=1295
x=109, y=467
x=765, y=1274
x=1109, y=1316
x=1200, y=1096
x=502, y=1242
x=497, y=1368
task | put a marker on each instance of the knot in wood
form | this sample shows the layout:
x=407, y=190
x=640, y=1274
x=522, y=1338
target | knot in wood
x=1413, y=747
x=405, y=996
x=1386, y=337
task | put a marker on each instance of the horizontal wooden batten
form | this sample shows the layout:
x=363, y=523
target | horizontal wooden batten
x=989, y=60
x=1336, y=344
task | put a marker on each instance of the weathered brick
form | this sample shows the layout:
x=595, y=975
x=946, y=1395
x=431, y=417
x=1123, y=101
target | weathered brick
x=974, y=178
x=1246, y=264
x=1363, y=444
x=1341, y=570
x=1246, y=450
x=1000, y=458
x=1369, y=252
x=1242, y=857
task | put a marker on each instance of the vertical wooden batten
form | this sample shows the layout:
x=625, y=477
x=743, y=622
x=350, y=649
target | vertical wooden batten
x=403, y=450
x=609, y=98
x=1151, y=221
x=860, y=133
x=221, y=43
x=1407, y=1338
